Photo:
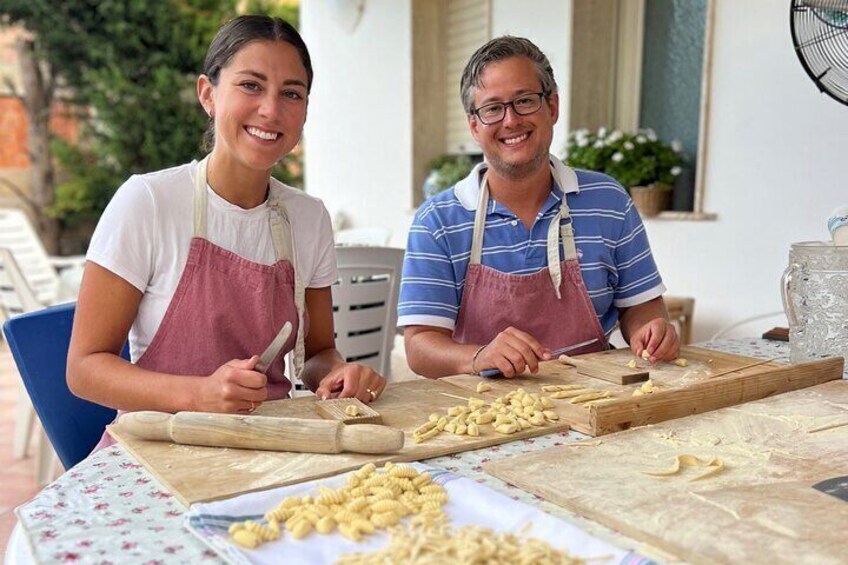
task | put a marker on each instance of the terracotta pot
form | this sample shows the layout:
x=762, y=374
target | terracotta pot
x=651, y=200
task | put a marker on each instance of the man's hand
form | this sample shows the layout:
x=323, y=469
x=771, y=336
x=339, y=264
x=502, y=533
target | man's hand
x=659, y=338
x=351, y=380
x=512, y=352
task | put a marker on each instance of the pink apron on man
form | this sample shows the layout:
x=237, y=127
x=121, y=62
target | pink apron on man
x=552, y=304
x=227, y=307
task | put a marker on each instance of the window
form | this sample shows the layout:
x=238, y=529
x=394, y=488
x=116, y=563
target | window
x=466, y=29
x=444, y=36
x=647, y=62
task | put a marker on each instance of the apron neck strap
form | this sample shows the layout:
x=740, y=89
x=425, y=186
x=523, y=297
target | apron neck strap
x=278, y=219
x=556, y=232
x=200, y=199
x=480, y=221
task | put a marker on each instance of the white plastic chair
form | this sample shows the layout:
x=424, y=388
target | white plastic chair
x=30, y=279
x=51, y=279
x=365, y=304
x=17, y=297
x=378, y=237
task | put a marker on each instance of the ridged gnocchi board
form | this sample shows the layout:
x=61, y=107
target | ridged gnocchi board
x=678, y=391
x=761, y=508
x=348, y=411
x=196, y=473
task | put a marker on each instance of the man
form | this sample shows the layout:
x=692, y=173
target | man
x=525, y=256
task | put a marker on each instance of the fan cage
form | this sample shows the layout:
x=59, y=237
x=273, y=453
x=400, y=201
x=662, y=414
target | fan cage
x=820, y=37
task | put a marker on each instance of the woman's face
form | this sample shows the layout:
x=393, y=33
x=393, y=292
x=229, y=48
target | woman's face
x=259, y=104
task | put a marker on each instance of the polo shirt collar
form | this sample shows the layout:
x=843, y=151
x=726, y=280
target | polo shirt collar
x=467, y=190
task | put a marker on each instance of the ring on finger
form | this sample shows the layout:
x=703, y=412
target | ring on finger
x=372, y=393
x=252, y=407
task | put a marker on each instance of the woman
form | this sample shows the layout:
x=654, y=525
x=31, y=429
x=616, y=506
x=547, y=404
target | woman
x=203, y=264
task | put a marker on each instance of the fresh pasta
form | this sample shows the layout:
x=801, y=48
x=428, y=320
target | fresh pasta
x=373, y=499
x=437, y=543
x=516, y=410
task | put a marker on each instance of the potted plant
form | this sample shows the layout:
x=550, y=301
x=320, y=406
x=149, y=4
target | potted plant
x=446, y=171
x=644, y=165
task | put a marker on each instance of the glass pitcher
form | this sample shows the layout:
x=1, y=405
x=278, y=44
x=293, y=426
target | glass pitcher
x=815, y=299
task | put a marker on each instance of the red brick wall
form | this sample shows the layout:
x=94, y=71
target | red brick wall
x=13, y=136
x=13, y=131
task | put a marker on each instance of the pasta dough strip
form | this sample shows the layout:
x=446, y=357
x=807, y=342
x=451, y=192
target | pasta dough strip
x=590, y=396
x=713, y=465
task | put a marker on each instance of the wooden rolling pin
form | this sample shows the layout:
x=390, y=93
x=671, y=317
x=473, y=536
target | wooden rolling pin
x=261, y=432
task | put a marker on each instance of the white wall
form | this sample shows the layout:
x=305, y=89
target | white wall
x=358, y=140
x=776, y=149
x=358, y=135
x=547, y=23
x=775, y=170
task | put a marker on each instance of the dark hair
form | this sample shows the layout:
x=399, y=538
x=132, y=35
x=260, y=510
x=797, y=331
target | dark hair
x=499, y=49
x=237, y=33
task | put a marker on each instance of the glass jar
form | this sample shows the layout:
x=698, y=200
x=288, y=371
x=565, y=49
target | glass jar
x=815, y=298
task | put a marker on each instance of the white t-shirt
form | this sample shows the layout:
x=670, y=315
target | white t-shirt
x=145, y=233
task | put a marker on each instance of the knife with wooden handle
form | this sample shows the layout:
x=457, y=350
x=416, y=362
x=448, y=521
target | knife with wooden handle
x=261, y=432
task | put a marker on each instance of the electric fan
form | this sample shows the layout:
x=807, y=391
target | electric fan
x=820, y=36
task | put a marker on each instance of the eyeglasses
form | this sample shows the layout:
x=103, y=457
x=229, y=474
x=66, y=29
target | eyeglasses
x=524, y=105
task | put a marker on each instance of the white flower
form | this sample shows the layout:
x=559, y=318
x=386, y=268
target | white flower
x=676, y=171
x=583, y=132
x=615, y=136
x=651, y=134
x=602, y=132
x=676, y=146
x=582, y=142
x=640, y=138
x=598, y=144
x=617, y=156
x=629, y=146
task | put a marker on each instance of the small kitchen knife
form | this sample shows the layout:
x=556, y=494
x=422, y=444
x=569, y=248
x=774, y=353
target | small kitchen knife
x=554, y=355
x=273, y=350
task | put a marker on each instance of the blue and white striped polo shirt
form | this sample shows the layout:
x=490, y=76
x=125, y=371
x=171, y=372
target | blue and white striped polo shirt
x=612, y=247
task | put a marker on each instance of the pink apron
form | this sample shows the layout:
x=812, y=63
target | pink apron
x=552, y=304
x=226, y=307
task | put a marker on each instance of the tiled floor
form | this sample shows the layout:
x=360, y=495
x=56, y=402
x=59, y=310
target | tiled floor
x=17, y=477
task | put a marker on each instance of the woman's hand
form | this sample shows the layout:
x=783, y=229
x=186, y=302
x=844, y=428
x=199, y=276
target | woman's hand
x=351, y=380
x=659, y=338
x=512, y=352
x=234, y=387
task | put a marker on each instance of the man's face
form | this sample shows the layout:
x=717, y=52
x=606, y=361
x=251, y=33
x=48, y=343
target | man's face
x=518, y=145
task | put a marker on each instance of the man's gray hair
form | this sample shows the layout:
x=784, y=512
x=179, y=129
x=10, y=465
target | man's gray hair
x=499, y=49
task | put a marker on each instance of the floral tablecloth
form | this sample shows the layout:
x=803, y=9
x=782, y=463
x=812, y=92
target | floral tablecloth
x=109, y=509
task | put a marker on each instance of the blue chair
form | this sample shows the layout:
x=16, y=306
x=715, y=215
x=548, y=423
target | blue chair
x=39, y=343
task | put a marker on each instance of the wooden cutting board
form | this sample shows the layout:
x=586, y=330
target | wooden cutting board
x=760, y=509
x=703, y=385
x=195, y=473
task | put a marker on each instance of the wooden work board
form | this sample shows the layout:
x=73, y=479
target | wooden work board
x=195, y=473
x=703, y=385
x=760, y=509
